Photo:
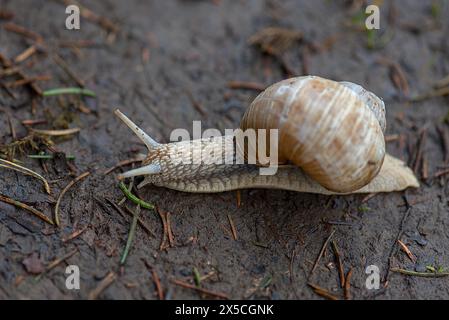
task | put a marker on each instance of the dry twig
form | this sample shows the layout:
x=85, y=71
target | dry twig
x=26, y=207
x=58, y=202
x=201, y=290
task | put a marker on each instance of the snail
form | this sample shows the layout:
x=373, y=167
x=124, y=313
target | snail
x=330, y=141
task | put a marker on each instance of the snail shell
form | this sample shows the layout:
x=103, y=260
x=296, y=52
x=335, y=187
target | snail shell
x=325, y=128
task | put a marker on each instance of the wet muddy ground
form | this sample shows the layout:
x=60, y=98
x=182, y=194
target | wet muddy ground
x=167, y=63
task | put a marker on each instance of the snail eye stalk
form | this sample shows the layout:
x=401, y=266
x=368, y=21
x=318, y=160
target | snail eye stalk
x=145, y=138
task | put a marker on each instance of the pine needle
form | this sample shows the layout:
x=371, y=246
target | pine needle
x=26, y=207
x=132, y=232
x=135, y=199
x=13, y=166
x=58, y=202
x=70, y=90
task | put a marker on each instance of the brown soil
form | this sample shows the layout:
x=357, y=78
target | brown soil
x=170, y=56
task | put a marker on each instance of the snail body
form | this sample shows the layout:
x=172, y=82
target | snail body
x=330, y=141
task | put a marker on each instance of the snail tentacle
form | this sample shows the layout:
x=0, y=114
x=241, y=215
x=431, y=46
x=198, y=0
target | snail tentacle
x=148, y=169
x=149, y=142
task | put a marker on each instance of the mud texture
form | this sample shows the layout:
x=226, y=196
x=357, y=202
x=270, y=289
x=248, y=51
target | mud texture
x=166, y=59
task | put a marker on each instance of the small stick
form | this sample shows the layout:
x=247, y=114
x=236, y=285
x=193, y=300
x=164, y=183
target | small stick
x=33, y=106
x=322, y=292
x=32, y=122
x=397, y=75
x=156, y=280
x=392, y=137
x=339, y=264
x=145, y=55
x=64, y=66
x=421, y=142
x=201, y=290
x=425, y=168
x=407, y=251
x=157, y=283
x=56, y=133
x=444, y=137
x=8, y=91
x=106, y=282
x=415, y=201
x=6, y=15
x=292, y=259
x=323, y=248
x=25, y=54
x=75, y=234
x=165, y=229
x=433, y=93
x=5, y=61
x=13, y=166
x=139, y=219
x=226, y=230
x=47, y=156
x=133, y=198
x=441, y=173
x=27, y=208
x=70, y=90
x=369, y=196
x=305, y=59
x=421, y=274
x=79, y=44
x=121, y=164
x=103, y=205
x=338, y=223
x=246, y=85
x=27, y=81
x=9, y=71
x=31, y=84
x=231, y=223
x=239, y=198
x=58, y=202
x=348, y=285
x=141, y=222
x=393, y=250
x=10, y=26
x=11, y=128
x=442, y=82
x=57, y=261
x=198, y=107
x=169, y=230
x=207, y=276
x=131, y=234
x=401, y=145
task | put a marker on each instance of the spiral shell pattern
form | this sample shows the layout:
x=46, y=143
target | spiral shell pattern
x=325, y=127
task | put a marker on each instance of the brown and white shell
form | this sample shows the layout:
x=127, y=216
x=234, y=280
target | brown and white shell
x=333, y=131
